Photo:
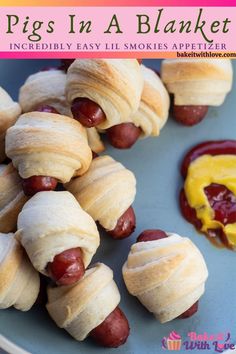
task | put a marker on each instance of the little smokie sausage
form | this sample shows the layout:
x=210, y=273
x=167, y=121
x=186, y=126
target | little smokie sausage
x=113, y=331
x=35, y=184
x=123, y=136
x=87, y=112
x=90, y=114
x=46, y=108
x=190, y=312
x=189, y=115
x=151, y=235
x=125, y=225
x=67, y=267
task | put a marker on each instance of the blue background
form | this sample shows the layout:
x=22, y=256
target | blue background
x=155, y=162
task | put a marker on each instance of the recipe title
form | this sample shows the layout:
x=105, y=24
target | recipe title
x=35, y=29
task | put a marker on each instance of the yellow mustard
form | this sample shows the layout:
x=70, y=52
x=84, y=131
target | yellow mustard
x=202, y=172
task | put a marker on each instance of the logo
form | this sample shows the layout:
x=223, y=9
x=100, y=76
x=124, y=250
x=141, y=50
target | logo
x=201, y=341
x=173, y=342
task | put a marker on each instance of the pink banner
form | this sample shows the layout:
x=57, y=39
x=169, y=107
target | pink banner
x=106, y=31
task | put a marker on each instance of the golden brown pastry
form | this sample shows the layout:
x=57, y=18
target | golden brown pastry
x=94, y=140
x=154, y=105
x=48, y=144
x=106, y=191
x=85, y=305
x=9, y=112
x=90, y=308
x=45, y=88
x=52, y=222
x=19, y=282
x=197, y=81
x=115, y=85
x=167, y=275
x=12, y=197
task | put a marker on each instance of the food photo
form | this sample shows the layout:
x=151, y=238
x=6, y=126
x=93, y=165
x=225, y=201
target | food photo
x=117, y=205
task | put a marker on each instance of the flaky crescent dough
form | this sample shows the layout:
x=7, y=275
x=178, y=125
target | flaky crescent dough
x=154, y=105
x=82, y=307
x=19, y=282
x=48, y=88
x=167, y=276
x=52, y=222
x=12, y=197
x=94, y=140
x=198, y=81
x=106, y=191
x=114, y=84
x=48, y=144
x=45, y=88
x=9, y=112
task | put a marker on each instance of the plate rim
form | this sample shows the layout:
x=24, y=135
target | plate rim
x=11, y=347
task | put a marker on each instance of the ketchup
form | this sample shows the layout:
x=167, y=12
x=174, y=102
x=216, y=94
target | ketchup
x=218, y=147
x=223, y=202
x=214, y=235
x=220, y=198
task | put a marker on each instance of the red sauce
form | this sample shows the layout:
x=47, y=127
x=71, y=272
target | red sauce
x=223, y=202
x=220, y=147
x=220, y=198
x=188, y=212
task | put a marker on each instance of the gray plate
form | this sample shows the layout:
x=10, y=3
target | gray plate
x=155, y=162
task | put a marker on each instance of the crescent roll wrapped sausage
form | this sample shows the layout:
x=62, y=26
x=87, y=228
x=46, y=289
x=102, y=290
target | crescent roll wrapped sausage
x=48, y=144
x=19, y=282
x=154, y=105
x=53, y=222
x=114, y=85
x=197, y=81
x=80, y=309
x=106, y=191
x=196, y=84
x=167, y=275
x=9, y=112
x=150, y=117
x=45, y=88
x=12, y=197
